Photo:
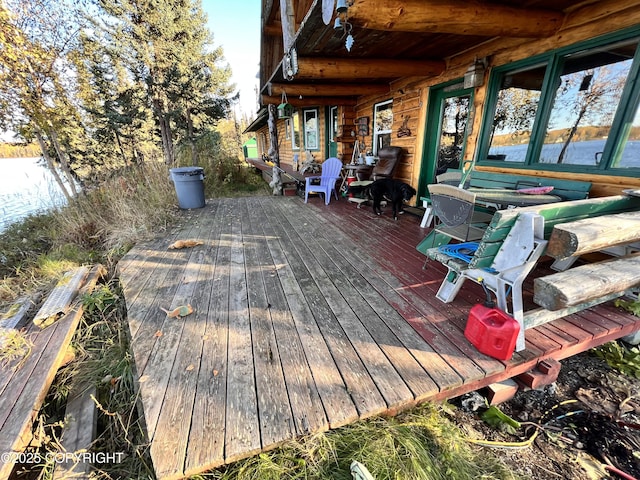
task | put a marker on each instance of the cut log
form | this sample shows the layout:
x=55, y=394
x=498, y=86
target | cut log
x=584, y=283
x=593, y=234
x=329, y=90
x=459, y=17
x=328, y=68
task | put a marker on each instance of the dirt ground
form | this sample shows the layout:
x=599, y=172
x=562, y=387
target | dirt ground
x=587, y=421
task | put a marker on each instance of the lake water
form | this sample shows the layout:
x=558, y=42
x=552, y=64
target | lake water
x=583, y=153
x=26, y=186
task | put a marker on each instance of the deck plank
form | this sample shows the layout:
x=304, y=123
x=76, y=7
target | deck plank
x=338, y=403
x=304, y=399
x=243, y=431
x=341, y=299
x=169, y=448
x=205, y=446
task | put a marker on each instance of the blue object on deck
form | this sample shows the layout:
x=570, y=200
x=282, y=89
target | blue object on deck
x=461, y=251
x=189, y=183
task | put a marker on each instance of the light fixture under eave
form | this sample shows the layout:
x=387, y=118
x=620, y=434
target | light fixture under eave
x=474, y=76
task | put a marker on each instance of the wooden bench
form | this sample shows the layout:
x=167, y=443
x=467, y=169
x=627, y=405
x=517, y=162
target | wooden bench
x=587, y=285
x=565, y=189
x=511, y=246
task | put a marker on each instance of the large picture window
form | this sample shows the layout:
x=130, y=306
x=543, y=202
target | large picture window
x=382, y=123
x=575, y=109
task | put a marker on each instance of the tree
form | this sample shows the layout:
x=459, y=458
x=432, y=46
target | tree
x=589, y=96
x=35, y=91
x=168, y=49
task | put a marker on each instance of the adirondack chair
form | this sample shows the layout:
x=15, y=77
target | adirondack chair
x=329, y=176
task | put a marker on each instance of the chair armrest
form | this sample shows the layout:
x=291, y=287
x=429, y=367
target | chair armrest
x=308, y=179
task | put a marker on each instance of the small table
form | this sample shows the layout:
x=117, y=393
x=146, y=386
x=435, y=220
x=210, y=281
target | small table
x=501, y=198
x=360, y=172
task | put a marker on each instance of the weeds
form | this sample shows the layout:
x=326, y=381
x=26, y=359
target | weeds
x=419, y=444
x=15, y=347
x=624, y=359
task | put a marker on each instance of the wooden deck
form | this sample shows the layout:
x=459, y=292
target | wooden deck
x=307, y=317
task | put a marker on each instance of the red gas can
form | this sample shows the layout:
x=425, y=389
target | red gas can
x=492, y=331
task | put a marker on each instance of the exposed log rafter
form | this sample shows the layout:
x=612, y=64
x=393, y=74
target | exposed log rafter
x=461, y=17
x=355, y=68
x=308, y=101
x=328, y=89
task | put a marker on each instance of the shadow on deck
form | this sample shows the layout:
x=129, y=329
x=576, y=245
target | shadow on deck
x=307, y=317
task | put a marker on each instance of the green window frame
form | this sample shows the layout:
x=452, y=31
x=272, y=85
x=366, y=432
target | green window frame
x=567, y=110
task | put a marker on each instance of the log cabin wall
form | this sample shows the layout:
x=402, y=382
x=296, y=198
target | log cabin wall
x=285, y=146
x=407, y=111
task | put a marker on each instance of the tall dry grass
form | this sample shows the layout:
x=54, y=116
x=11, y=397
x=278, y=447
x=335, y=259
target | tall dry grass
x=130, y=206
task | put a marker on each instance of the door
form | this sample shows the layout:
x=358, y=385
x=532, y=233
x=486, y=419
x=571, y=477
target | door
x=447, y=129
x=332, y=133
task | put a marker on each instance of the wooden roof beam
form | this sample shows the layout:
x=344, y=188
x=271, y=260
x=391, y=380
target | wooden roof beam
x=334, y=89
x=334, y=68
x=308, y=101
x=464, y=17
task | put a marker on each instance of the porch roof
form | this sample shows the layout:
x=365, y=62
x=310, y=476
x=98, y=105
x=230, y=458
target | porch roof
x=420, y=39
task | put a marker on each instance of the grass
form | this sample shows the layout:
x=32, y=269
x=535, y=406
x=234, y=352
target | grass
x=419, y=444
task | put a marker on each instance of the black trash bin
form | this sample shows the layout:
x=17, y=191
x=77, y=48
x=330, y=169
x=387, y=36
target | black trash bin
x=189, y=183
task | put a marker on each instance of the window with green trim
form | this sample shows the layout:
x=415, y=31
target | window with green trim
x=575, y=109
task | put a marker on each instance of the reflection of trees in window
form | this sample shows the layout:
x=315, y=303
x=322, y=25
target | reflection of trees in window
x=310, y=129
x=516, y=108
x=585, y=104
x=295, y=134
x=453, y=128
x=382, y=124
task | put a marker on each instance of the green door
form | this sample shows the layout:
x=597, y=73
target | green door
x=332, y=132
x=446, y=132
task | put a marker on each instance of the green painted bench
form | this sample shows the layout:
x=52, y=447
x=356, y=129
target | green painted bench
x=511, y=246
x=566, y=189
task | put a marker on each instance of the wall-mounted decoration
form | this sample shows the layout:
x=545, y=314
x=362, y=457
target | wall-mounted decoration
x=404, y=131
x=363, y=126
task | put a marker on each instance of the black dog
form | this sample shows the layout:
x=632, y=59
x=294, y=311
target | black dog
x=394, y=191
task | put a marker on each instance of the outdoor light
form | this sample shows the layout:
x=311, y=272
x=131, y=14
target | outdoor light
x=474, y=76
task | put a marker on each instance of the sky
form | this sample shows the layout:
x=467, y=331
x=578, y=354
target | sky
x=235, y=25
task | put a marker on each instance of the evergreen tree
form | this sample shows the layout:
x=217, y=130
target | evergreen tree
x=168, y=50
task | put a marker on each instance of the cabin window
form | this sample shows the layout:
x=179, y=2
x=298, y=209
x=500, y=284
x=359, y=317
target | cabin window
x=311, y=132
x=295, y=131
x=517, y=103
x=572, y=110
x=382, y=123
x=588, y=92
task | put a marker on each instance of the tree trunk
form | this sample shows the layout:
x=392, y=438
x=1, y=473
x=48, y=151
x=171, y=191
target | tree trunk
x=192, y=142
x=274, y=154
x=51, y=166
x=165, y=133
x=62, y=158
x=572, y=132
